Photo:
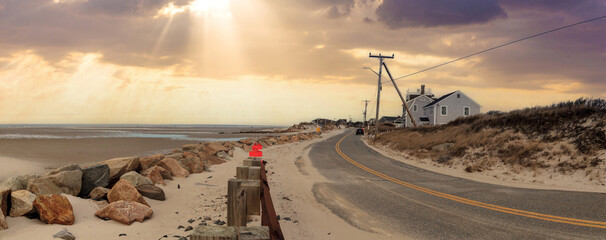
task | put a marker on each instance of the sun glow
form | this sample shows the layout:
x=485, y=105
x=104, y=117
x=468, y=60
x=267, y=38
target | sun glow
x=215, y=8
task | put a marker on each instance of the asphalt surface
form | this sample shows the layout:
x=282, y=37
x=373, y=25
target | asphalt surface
x=373, y=203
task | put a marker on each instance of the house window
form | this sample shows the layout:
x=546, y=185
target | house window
x=458, y=95
x=414, y=107
x=466, y=113
x=444, y=110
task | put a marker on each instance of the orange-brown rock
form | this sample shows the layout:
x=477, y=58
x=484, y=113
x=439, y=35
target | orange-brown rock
x=174, y=167
x=294, y=139
x=54, y=209
x=125, y=212
x=120, y=166
x=148, y=162
x=125, y=191
x=213, y=147
x=193, y=164
x=154, y=175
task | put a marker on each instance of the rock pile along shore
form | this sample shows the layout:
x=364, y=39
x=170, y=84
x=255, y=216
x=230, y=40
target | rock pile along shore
x=118, y=186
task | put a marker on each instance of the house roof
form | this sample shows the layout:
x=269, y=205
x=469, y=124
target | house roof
x=439, y=99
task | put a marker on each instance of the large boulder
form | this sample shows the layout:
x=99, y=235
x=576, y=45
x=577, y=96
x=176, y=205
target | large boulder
x=18, y=182
x=71, y=167
x=174, y=167
x=98, y=193
x=193, y=164
x=5, y=194
x=125, y=191
x=22, y=203
x=154, y=174
x=125, y=212
x=213, y=147
x=152, y=192
x=69, y=182
x=93, y=177
x=148, y=162
x=3, y=224
x=54, y=209
x=135, y=178
x=192, y=147
x=120, y=166
x=175, y=156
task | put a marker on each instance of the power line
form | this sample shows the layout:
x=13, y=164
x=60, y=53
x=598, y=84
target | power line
x=502, y=45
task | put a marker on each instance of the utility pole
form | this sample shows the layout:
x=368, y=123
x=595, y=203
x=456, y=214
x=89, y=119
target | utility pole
x=365, y=107
x=380, y=57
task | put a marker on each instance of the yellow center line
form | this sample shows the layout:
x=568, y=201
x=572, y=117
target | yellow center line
x=498, y=208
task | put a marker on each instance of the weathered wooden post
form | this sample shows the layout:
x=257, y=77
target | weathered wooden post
x=253, y=196
x=236, y=203
x=252, y=162
x=254, y=173
x=242, y=172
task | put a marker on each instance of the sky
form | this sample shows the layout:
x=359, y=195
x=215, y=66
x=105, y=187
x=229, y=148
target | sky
x=285, y=61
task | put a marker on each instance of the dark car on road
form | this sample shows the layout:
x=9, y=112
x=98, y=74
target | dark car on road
x=360, y=131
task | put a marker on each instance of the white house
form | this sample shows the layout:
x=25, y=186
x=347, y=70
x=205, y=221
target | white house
x=449, y=107
x=427, y=110
x=415, y=102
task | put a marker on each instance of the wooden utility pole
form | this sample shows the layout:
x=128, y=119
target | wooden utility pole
x=365, y=107
x=380, y=57
x=400, y=94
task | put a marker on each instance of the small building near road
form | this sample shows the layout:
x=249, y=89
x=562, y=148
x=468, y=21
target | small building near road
x=425, y=109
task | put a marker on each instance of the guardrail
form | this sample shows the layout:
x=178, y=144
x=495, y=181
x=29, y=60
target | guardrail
x=268, y=213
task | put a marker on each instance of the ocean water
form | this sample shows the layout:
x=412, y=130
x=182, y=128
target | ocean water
x=173, y=132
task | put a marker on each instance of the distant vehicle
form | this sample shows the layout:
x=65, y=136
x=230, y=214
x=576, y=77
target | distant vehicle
x=360, y=131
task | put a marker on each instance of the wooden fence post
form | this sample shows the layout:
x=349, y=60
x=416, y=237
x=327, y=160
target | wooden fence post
x=236, y=203
x=242, y=172
x=253, y=196
x=254, y=173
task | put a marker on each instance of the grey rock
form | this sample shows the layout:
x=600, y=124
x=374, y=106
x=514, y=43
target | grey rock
x=71, y=167
x=18, y=182
x=93, y=177
x=22, y=202
x=136, y=179
x=64, y=234
x=151, y=191
x=68, y=182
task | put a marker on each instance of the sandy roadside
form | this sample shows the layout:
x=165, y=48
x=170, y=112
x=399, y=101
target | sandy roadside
x=500, y=175
x=292, y=177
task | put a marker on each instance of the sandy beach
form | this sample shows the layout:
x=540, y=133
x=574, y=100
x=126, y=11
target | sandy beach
x=202, y=196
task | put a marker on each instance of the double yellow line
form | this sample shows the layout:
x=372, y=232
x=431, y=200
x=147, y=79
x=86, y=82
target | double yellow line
x=518, y=212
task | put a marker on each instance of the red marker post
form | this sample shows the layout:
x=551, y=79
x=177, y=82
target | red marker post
x=256, y=151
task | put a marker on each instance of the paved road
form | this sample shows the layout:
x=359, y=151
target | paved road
x=384, y=195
